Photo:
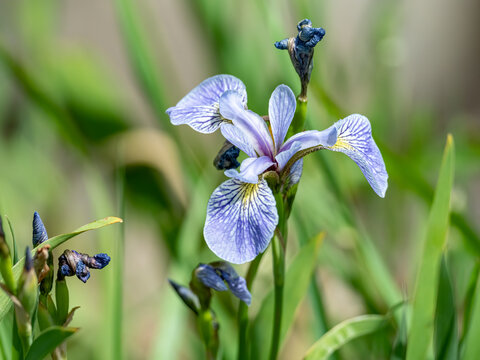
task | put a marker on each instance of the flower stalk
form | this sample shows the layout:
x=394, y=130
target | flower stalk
x=242, y=316
x=278, y=250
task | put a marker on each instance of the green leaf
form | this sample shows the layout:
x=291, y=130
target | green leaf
x=48, y=340
x=297, y=281
x=446, y=332
x=55, y=241
x=141, y=57
x=14, y=242
x=471, y=342
x=421, y=330
x=399, y=351
x=343, y=333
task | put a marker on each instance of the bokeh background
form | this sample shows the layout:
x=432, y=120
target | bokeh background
x=84, y=86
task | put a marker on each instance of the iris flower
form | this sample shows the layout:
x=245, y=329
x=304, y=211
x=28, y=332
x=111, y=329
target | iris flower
x=241, y=213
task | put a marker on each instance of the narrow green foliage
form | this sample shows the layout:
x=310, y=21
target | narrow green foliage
x=399, y=351
x=141, y=56
x=343, y=333
x=446, y=332
x=368, y=255
x=55, y=241
x=469, y=299
x=62, y=299
x=118, y=278
x=471, y=344
x=14, y=242
x=421, y=330
x=297, y=281
x=48, y=340
x=6, y=262
x=45, y=319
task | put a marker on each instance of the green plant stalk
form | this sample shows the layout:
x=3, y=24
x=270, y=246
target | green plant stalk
x=24, y=328
x=298, y=122
x=242, y=317
x=278, y=251
x=208, y=328
x=7, y=273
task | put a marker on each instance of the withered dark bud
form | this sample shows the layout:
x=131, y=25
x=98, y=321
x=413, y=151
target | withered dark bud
x=227, y=157
x=301, y=50
x=74, y=263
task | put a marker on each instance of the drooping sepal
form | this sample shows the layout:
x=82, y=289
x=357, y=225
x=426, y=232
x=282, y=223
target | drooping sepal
x=354, y=138
x=241, y=220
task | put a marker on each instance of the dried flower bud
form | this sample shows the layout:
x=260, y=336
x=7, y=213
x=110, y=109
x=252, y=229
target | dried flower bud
x=301, y=50
x=72, y=263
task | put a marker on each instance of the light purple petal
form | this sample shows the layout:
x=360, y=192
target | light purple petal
x=209, y=91
x=295, y=173
x=283, y=157
x=251, y=124
x=355, y=140
x=209, y=277
x=241, y=220
x=250, y=169
x=237, y=138
x=205, y=119
x=312, y=138
x=200, y=108
x=281, y=109
x=305, y=140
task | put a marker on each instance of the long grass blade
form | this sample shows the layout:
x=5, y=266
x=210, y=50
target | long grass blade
x=471, y=344
x=343, y=333
x=421, y=330
x=446, y=331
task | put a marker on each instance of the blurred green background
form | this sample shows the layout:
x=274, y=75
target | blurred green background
x=84, y=86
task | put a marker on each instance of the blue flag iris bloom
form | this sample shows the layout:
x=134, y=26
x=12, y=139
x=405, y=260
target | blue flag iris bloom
x=241, y=213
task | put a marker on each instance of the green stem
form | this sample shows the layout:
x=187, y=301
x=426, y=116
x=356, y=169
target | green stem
x=278, y=249
x=242, y=318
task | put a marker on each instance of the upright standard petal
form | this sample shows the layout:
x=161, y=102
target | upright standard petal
x=355, y=140
x=281, y=109
x=200, y=109
x=250, y=169
x=251, y=124
x=241, y=220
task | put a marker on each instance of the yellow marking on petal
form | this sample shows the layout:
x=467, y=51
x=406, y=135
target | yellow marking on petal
x=342, y=144
x=250, y=191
